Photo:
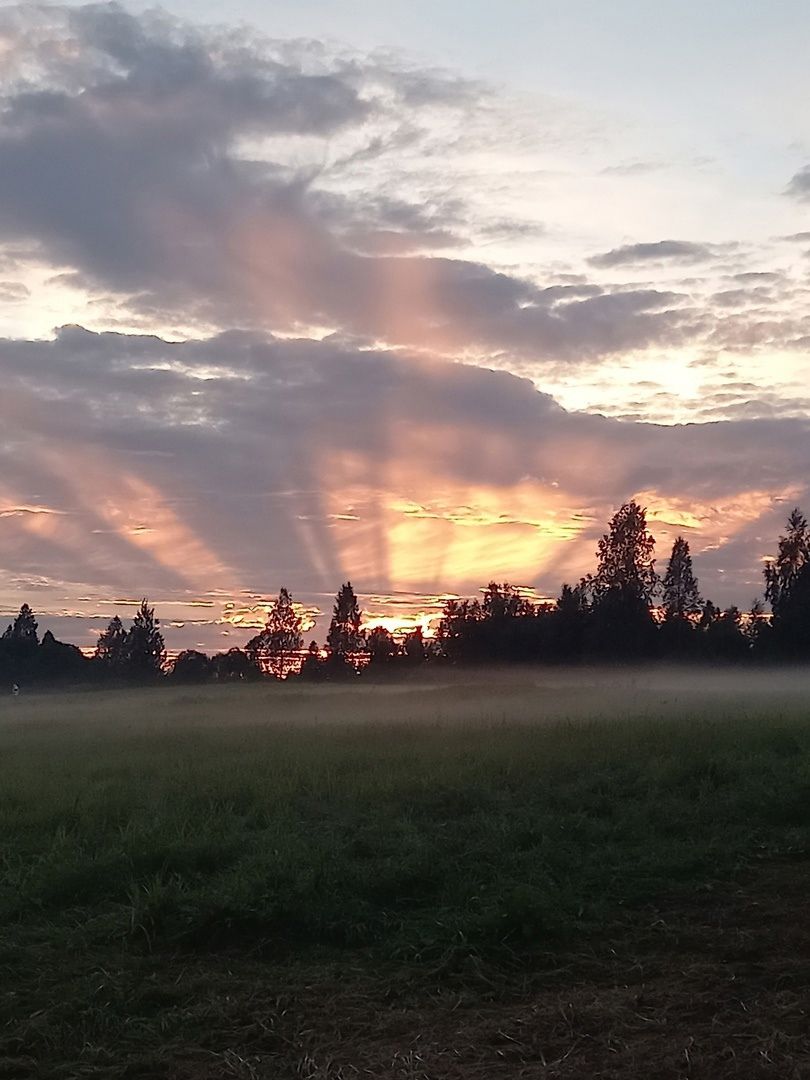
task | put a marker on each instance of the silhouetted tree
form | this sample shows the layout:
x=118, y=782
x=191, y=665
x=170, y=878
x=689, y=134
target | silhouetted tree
x=782, y=573
x=681, y=595
x=192, y=666
x=626, y=557
x=709, y=613
x=623, y=587
x=504, y=602
x=507, y=630
x=757, y=629
x=682, y=602
x=111, y=648
x=458, y=637
x=725, y=639
x=504, y=626
x=277, y=645
x=413, y=647
x=18, y=648
x=787, y=588
x=235, y=666
x=312, y=667
x=345, y=636
x=381, y=646
x=569, y=623
x=145, y=648
x=450, y=629
x=58, y=662
x=24, y=628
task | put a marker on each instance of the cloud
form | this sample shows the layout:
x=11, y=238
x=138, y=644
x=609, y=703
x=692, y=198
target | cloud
x=799, y=186
x=386, y=225
x=742, y=298
x=13, y=291
x=661, y=250
x=222, y=468
x=186, y=172
x=754, y=276
x=190, y=178
x=633, y=168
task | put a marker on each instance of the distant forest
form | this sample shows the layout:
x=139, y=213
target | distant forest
x=624, y=611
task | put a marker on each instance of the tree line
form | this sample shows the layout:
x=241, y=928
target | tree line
x=623, y=611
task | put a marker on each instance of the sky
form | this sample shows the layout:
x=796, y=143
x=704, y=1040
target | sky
x=414, y=295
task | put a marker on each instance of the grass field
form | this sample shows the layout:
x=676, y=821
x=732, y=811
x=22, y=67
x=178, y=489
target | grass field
x=493, y=875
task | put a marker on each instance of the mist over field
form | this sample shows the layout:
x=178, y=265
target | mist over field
x=195, y=878
x=482, y=695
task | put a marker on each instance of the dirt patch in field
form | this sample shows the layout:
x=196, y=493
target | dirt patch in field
x=715, y=988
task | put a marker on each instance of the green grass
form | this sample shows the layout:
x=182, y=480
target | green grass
x=432, y=832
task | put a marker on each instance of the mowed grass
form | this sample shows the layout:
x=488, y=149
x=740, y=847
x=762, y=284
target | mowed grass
x=461, y=832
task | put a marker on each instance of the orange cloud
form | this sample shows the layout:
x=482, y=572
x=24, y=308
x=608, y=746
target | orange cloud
x=415, y=530
x=714, y=524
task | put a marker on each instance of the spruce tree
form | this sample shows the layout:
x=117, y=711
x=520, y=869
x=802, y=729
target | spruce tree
x=345, y=636
x=111, y=647
x=682, y=599
x=145, y=649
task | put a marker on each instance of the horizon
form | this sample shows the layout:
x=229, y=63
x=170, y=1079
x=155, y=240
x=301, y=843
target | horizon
x=294, y=298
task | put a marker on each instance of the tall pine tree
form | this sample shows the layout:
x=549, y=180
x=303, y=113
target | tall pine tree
x=145, y=649
x=345, y=636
